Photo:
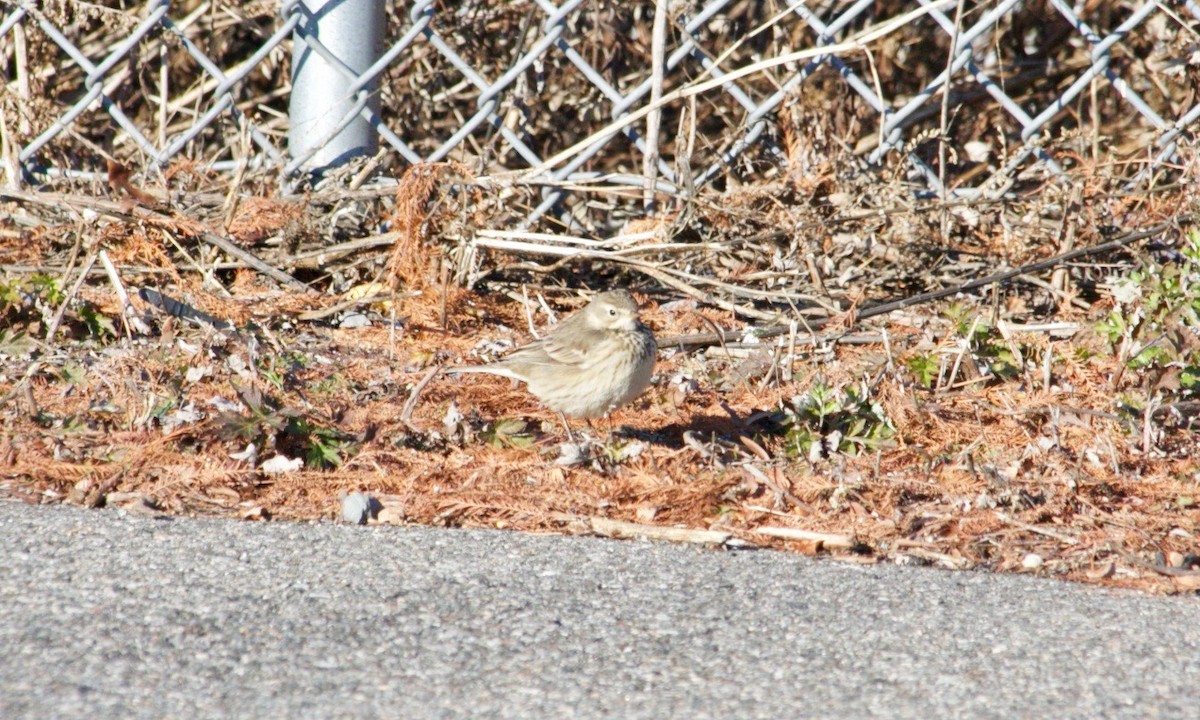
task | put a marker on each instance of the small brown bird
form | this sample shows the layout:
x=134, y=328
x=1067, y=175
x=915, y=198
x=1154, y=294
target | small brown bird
x=591, y=363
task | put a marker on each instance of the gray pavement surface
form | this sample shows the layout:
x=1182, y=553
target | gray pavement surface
x=109, y=615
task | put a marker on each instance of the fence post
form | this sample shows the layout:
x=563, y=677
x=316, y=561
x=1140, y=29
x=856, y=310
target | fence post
x=352, y=32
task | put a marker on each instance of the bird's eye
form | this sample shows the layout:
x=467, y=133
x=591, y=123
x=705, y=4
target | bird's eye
x=612, y=312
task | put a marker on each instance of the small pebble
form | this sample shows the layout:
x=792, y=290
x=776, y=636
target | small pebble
x=357, y=508
x=354, y=320
x=1032, y=561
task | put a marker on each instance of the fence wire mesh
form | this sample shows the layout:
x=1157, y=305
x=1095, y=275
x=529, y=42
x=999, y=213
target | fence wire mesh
x=964, y=98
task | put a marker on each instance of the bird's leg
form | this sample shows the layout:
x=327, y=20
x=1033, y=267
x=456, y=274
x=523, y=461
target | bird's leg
x=609, y=422
x=567, y=426
x=596, y=432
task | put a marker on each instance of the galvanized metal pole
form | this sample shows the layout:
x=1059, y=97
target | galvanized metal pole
x=323, y=83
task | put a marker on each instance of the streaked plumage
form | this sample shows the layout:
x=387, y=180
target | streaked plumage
x=591, y=363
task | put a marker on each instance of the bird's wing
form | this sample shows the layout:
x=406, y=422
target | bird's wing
x=567, y=349
x=563, y=346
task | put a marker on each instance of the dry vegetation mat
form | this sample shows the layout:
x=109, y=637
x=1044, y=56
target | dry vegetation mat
x=844, y=370
x=1046, y=424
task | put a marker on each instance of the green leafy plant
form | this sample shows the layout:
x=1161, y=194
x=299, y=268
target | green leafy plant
x=323, y=446
x=47, y=287
x=267, y=424
x=984, y=342
x=29, y=299
x=508, y=432
x=924, y=368
x=271, y=375
x=617, y=451
x=280, y=370
x=15, y=344
x=999, y=357
x=846, y=418
x=162, y=406
x=72, y=373
x=328, y=385
x=966, y=322
x=98, y=325
x=10, y=295
x=1155, y=322
x=35, y=288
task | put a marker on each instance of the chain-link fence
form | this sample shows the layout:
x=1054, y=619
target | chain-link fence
x=966, y=98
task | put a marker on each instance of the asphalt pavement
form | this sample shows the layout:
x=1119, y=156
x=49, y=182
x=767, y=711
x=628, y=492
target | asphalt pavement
x=104, y=614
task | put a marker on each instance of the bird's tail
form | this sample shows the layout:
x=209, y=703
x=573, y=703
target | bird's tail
x=484, y=370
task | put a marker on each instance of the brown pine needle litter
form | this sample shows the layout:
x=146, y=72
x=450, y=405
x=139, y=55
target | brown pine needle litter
x=934, y=439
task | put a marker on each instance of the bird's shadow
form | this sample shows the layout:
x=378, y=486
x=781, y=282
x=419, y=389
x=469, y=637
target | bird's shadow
x=705, y=427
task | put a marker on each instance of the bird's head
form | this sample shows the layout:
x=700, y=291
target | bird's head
x=615, y=310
